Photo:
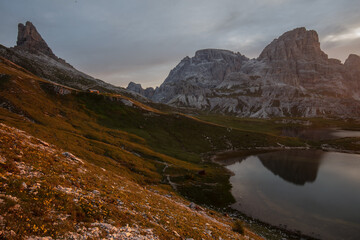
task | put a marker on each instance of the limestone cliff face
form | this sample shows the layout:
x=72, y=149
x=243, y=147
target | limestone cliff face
x=197, y=75
x=352, y=63
x=291, y=77
x=294, y=45
x=352, y=69
x=296, y=59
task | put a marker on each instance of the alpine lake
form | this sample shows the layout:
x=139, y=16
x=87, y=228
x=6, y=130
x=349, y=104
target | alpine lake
x=313, y=192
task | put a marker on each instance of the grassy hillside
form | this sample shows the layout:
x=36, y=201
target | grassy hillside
x=46, y=192
x=155, y=149
x=115, y=132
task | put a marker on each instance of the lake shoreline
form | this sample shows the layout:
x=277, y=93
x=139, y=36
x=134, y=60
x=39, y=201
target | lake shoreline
x=213, y=156
x=222, y=158
x=251, y=221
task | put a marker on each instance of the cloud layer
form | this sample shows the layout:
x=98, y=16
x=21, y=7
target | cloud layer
x=141, y=40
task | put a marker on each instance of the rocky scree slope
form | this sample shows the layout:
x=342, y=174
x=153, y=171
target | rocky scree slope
x=34, y=54
x=291, y=77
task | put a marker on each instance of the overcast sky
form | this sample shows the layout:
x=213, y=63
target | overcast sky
x=120, y=41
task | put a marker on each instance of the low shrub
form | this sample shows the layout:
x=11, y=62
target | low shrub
x=238, y=227
x=4, y=78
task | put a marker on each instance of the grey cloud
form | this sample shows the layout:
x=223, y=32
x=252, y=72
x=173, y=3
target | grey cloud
x=141, y=40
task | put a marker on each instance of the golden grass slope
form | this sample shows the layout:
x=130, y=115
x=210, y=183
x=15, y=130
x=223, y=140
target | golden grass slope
x=47, y=192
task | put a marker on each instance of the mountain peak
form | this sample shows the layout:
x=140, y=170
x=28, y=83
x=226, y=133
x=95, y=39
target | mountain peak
x=29, y=39
x=134, y=86
x=353, y=61
x=210, y=54
x=137, y=88
x=296, y=44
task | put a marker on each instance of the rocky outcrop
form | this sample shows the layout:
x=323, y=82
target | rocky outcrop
x=352, y=68
x=34, y=54
x=296, y=59
x=291, y=77
x=30, y=40
x=195, y=76
x=137, y=88
x=352, y=63
x=294, y=45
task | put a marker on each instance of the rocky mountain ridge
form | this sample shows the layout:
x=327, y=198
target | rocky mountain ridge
x=34, y=54
x=137, y=88
x=291, y=77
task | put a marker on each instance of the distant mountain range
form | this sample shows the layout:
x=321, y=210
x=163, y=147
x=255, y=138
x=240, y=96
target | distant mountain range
x=291, y=77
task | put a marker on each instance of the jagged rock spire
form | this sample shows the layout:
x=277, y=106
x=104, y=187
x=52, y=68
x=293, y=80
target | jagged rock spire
x=30, y=40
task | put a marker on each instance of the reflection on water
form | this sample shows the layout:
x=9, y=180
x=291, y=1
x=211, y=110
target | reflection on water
x=315, y=192
x=345, y=133
x=295, y=166
x=317, y=134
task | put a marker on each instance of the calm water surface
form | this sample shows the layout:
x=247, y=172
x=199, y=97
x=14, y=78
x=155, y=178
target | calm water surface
x=318, y=134
x=312, y=191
